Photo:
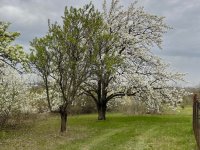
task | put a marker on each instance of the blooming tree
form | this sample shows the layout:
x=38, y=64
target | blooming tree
x=13, y=93
x=139, y=73
x=10, y=54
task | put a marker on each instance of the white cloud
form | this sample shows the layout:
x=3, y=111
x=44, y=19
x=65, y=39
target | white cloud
x=18, y=15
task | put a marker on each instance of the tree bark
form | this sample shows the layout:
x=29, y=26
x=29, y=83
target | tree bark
x=101, y=108
x=47, y=93
x=63, y=115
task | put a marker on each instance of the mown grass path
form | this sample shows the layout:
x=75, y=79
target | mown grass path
x=118, y=132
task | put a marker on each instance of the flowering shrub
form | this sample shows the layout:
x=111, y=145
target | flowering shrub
x=13, y=93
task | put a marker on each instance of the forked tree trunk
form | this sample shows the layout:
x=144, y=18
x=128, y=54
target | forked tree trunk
x=63, y=115
x=101, y=108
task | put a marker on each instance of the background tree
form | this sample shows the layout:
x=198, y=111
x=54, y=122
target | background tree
x=140, y=73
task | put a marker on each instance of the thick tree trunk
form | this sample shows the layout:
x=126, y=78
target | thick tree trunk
x=63, y=115
x=101, y=101
x=101, y=108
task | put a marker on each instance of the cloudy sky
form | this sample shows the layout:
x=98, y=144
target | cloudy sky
x=181, y=47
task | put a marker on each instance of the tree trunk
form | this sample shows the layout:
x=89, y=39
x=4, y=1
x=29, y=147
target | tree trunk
x=63, y=115
x=101, y=108
x=47, y=93
x=101, y=101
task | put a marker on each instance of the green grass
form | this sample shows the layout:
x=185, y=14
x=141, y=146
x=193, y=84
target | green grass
x=119, y=132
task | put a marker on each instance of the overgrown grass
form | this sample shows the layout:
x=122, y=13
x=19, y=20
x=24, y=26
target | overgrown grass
x=118, y=132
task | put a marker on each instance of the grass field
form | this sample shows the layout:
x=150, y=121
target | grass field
x=118, y=132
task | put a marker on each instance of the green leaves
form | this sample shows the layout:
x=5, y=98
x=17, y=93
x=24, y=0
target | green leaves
x=68, y=51
x=40, y=57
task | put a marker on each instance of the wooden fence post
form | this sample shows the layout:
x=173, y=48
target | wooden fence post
x=196, y=119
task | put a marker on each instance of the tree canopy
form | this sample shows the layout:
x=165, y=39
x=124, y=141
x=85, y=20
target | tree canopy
x=139, y=73
x=10, y=54
x=72, y=51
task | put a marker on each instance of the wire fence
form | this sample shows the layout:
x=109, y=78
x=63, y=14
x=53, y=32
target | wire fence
x=196, y=119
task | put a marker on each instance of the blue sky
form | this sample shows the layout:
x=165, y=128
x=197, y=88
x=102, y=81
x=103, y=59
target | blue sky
x=181, y=47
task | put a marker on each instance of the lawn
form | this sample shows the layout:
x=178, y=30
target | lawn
x=119, y=132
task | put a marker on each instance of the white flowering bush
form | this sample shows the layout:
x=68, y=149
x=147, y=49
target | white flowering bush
x=13, y=93
x=38, y=98
x=19, y=99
